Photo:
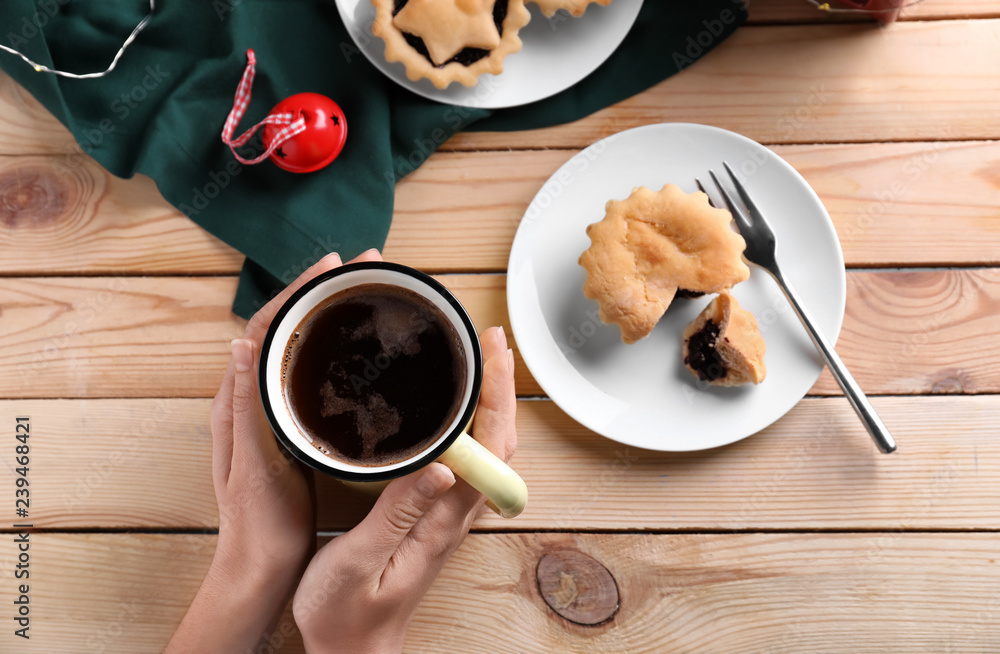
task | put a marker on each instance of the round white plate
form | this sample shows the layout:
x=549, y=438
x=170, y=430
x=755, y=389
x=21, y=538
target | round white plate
x=641, y=394
x=558, y=52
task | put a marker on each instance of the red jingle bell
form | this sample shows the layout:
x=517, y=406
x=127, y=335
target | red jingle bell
x=321, y=141
x=302, y=134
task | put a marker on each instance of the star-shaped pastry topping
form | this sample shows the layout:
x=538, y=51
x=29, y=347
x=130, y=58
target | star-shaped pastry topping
x=449, y=26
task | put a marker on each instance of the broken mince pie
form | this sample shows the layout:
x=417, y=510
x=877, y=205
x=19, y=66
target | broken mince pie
x=575, y=7
x=449, y=40
x=653, y=245
x=723, y=345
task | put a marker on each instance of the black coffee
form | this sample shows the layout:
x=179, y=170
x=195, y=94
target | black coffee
x=374, y=374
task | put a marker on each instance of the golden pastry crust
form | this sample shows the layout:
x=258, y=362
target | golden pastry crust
x=734, y=339
x=575, y=7
x=448, y=18
x=652, y=244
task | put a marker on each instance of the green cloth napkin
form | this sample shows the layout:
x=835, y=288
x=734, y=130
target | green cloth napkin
x=161, y=111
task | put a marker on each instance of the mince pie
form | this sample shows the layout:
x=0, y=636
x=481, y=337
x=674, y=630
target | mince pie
x=575, y=7
x=723, y=345
x=449, y=40
x=653, y=246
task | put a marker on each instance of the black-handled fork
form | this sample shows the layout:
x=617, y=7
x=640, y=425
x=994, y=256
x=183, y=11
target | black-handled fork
x=760, y=251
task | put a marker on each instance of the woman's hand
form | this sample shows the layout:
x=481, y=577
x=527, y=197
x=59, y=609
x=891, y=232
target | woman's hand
x=267, y=526
x=360, y=591
x=266, y=521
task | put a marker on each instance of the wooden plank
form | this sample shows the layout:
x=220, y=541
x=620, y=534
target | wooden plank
x=849, y=83
x=921, y=332
x=26, y=127
x=802, y=11
x=115, y=336
x=743, y=593
x=908, y=204
x=148, y=337
x=460, y=211
x=71, y=215
x=147, y=464
x=904, y=332
x=892, y=204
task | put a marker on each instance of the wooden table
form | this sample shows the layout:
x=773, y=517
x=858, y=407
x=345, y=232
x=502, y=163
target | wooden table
x=115, y=329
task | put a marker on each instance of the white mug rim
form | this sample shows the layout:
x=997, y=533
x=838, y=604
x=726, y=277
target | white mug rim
x=270, y=397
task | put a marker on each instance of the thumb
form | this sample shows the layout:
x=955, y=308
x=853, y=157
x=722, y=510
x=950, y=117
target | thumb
x=494, y=425
x=401, y=505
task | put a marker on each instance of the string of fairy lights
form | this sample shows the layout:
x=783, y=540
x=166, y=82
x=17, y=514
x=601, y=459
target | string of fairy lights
x=114, y=62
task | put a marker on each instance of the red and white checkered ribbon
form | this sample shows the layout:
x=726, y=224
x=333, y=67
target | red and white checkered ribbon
x=293, y=124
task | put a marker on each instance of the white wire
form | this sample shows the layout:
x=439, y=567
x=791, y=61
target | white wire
x=114, y=62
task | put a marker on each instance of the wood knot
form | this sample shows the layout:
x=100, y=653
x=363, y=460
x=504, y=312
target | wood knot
x=32, y=194
x=577, y=587
x=948, y=385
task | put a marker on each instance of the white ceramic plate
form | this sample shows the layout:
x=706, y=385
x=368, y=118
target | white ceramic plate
x=558, y=52
x=641, y=394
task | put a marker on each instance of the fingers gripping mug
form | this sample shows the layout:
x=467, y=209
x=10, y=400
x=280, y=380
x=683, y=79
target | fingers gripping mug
x=373, y=370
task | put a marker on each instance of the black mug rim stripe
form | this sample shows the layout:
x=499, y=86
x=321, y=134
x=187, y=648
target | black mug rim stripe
x=428, y=455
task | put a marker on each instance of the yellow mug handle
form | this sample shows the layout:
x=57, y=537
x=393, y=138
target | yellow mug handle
x=506, y=493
